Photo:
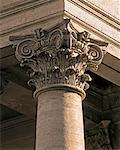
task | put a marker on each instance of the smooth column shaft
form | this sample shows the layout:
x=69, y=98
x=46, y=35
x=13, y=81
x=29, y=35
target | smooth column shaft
x=59, y=121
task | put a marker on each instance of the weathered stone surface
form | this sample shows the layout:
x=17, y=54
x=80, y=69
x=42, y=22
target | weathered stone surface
x=26, y=21
x=23, y=17
x=109, y=6
x=59, y=121
x=56, y=60
x=59, y=55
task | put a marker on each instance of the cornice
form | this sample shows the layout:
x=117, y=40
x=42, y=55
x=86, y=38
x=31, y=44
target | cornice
x=17, y=7
x=92, y=29
x=101, y=14
x=77, y=20
x=31, y=23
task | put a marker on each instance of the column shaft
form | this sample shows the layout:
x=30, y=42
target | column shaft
x=59, y=121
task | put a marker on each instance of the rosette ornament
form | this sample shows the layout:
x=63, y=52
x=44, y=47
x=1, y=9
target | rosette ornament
x=59, y=55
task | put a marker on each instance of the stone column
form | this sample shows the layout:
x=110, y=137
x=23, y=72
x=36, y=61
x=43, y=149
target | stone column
x=60, y=119
x=57, y=59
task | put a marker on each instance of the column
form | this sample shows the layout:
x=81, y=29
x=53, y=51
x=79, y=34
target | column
x=60, y=119
x=56, y=60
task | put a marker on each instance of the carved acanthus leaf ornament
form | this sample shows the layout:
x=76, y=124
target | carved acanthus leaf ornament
x=59, y=55
x=98, y=138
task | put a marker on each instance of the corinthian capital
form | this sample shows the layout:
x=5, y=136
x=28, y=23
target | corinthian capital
x=59, y=55
x=98, y=137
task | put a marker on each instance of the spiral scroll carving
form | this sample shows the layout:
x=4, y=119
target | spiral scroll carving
x=59, y=55
x=56, y=38
x=95, y=52
x=25, y=49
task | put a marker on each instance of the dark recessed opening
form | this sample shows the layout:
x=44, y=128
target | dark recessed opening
x=98, y=81
x=7, y=113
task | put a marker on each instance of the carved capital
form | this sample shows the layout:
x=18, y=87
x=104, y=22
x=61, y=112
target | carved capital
x=59, y=55
x=99, y=137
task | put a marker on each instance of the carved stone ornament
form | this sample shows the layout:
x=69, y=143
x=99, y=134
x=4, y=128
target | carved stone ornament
x=59, y=55
x=98, y=138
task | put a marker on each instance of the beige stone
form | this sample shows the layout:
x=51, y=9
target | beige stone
x=59, y=121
